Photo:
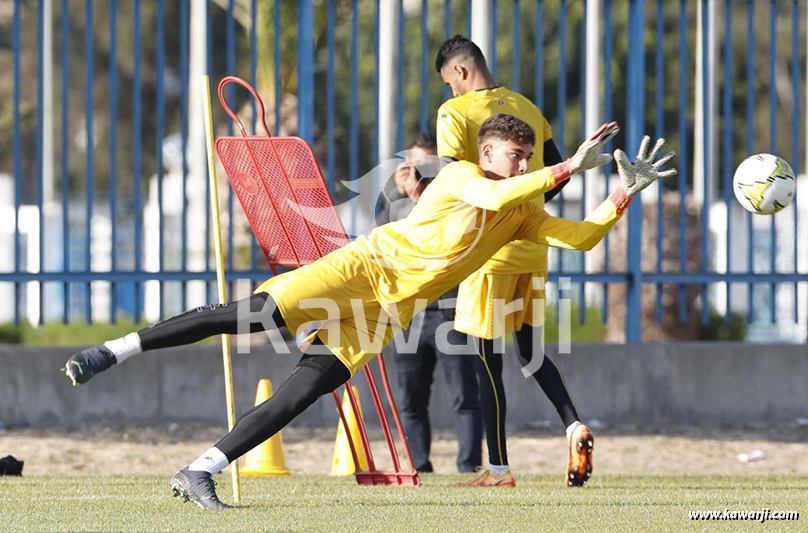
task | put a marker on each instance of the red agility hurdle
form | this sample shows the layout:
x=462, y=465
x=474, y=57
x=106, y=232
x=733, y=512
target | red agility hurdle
x=275, y=179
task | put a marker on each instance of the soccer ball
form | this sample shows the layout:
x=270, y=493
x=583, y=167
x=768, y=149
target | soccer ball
x=764, y=184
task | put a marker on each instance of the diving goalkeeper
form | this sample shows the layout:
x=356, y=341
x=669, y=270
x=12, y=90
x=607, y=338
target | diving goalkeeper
x=376, y=283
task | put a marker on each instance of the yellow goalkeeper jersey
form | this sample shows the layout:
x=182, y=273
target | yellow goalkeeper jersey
x=509, y=274
x=460, y=118
x=459, y=222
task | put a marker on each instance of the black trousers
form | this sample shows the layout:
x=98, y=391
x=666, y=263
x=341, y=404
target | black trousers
x=415, y=378
x=313, y=376
x=492, y=389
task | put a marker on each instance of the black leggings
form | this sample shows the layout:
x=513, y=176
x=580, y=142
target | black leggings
x=492, y=389
x=547, y=375
x=492, y=400
x=209, y=320
x=315, y=374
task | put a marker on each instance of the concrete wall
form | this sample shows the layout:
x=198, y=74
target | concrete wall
x=641, y=384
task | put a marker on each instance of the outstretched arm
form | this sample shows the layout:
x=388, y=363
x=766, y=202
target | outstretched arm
x=634, y=177
x=583, y=235
x=498, y=195
x=508, y=193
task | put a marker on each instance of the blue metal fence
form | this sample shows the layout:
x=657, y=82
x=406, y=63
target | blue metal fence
x=333, y=66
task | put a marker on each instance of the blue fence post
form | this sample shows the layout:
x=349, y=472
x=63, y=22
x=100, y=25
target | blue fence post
x=447, y=19
x=88, y=117
x=230, y=96
x=276, y=60
x=305, y=69
x=635, y=105
x=609, y=112
x=401, y=83
x=254, y=83
x=17, y=159
x=773, y=146
x=447, y=32
x=795, y=133
x=136, y=150
x=659, y=132
x=515, y=56
x=708, y=157
x=494, y=24
x=750, y=135
x=539, y=48
x=330, y=102
x=230, y=70
x=161, y=60
x=376, y=37
x=40, y=105
x=209, y=45
x=728, y=143
x=185, y=31
x=113, y=148
x=682, y=174
x=353, y=164
x=65, y=160
x=582, y=287
x=560, y=134
x=424, y=65
x=354, y=122
x=254, y=60
x=562, y=85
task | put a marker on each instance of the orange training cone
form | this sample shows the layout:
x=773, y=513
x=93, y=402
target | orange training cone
x=266, y=459
x=343, y=464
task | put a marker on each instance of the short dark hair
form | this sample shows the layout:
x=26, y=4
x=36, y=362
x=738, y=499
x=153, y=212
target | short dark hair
x=425, y=140
x=506, y=128
x=459, y=46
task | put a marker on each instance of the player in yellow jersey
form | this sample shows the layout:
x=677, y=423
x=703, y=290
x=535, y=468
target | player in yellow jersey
x=365, y=292
x=515, y=274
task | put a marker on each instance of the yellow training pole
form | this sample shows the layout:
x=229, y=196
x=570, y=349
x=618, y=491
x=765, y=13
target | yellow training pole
x=217, y=237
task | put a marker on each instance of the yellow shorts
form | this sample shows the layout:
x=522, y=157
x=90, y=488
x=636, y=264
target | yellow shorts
x=323, y=292
x=475, y=314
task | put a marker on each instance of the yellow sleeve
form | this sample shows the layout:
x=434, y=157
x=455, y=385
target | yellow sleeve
x=451, y=133
x=584, y=235
x=498, y=195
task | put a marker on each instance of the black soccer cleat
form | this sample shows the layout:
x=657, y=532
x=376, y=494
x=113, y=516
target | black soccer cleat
x=81, y=367
x=197, y=487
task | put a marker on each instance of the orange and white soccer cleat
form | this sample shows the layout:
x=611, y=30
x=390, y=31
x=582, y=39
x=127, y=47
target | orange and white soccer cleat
x=487, y=480
x=582, y=443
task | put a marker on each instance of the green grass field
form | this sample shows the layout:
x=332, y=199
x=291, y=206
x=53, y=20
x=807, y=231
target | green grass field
x=319, y=503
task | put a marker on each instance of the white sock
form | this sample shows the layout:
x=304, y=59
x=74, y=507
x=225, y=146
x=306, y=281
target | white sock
x=125, y=347
x=498, y=470
x=572, y=427
x=212, y=461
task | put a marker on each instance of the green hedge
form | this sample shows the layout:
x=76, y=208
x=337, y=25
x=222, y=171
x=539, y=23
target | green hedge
x=591, y=330
x=83, y=334
x=73, y=334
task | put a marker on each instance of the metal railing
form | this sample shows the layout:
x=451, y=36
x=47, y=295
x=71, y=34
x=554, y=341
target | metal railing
x=321, y=69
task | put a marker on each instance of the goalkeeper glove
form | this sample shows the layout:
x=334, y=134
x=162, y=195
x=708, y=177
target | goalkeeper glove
x=636, y=176
x=589, y=155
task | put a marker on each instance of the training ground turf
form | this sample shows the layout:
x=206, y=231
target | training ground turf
x=320, y=503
